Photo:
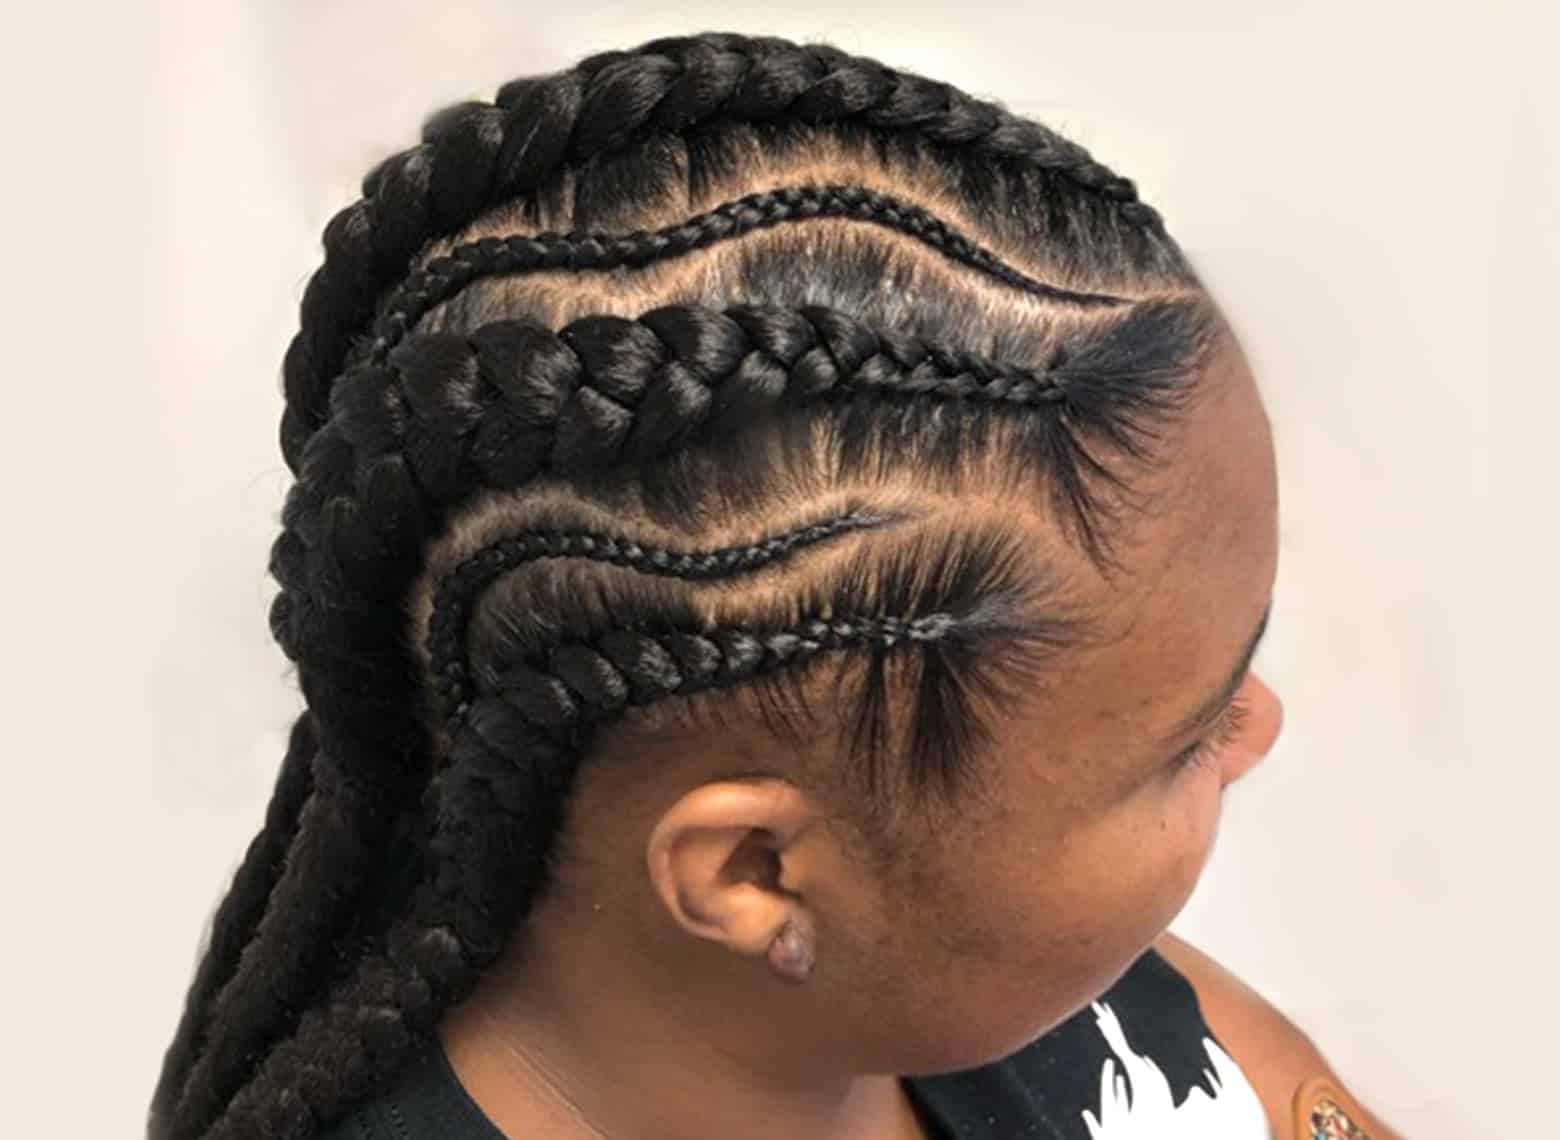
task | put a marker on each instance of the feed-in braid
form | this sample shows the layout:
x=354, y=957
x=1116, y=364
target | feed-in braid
x=452, y=751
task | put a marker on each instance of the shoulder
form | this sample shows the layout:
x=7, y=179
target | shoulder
x=1290, y=1075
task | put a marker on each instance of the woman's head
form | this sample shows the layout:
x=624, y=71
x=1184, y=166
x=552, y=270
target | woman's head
x=949, y=928
x=754, y=507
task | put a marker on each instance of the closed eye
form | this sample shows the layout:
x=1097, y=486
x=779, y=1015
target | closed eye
x=1226, y=730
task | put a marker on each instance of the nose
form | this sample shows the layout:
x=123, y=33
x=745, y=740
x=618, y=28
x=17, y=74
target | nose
x=1264, y=722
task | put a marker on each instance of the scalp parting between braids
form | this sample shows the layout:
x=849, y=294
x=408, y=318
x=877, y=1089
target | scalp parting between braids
x=869, y=304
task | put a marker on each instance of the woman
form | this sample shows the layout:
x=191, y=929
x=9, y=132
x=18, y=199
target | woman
x=775, y=558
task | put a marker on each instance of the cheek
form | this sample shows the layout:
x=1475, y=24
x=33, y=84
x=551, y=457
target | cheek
x=1144, y=871
x=1193, y=807
x=1068, y=922
x=1193, y=801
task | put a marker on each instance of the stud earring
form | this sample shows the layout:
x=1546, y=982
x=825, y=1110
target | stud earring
x=791, y=954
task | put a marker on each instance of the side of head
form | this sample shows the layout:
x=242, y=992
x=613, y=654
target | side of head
x=738, y=547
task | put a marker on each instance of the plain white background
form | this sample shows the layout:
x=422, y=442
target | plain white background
x=1370, y=188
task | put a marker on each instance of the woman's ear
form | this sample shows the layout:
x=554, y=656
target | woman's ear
x=725, y=862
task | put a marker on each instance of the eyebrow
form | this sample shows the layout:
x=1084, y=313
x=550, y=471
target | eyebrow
x=1209, y=710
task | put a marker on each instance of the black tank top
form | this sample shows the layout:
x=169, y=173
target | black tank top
x=1140, y=1062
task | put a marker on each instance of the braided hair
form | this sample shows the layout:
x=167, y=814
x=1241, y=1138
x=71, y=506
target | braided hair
x=644, y=391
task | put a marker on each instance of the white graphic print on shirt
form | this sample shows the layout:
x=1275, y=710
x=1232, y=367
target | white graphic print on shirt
x=1136, y=1101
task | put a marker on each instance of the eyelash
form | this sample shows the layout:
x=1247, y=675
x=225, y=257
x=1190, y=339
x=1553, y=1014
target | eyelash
x=1228, y=729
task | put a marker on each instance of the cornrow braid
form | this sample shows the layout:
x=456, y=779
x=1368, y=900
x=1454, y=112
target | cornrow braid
x=330, y=966
x=475, y=154
x=459, y=590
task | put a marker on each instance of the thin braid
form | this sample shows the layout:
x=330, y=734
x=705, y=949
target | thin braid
x=475, y=154
x=237, y=916
x=445, y=276
x=497, y=804
x=459, y=589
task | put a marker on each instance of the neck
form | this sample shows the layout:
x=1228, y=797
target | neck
x=573, y=1047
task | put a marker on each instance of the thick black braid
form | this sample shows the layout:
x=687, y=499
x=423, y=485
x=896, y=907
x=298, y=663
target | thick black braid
x=475, y=154
x=515, y=398
x=233, y=925
x=274, y=974
x=363, y=773
x=443, y=277
x=498, y=807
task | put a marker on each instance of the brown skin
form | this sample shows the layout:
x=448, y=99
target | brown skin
x=655, y=997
